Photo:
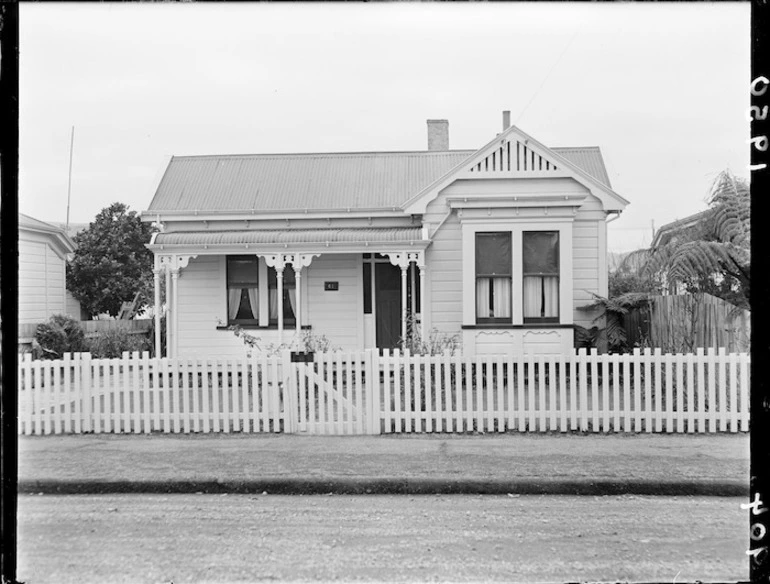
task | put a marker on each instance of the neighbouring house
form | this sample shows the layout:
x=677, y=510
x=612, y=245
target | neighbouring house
x=671, y=232
x=43, y=251
x=498, y=245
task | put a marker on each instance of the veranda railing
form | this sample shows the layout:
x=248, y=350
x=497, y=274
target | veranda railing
x=371, y=393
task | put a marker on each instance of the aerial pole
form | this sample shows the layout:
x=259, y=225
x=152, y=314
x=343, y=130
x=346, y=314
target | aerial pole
x=69, y=185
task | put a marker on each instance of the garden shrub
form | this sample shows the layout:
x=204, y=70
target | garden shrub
x=436, y=343
x=112, y=343
x=61, y=334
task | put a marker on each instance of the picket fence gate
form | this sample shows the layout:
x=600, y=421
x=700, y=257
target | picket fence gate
x=369, y=392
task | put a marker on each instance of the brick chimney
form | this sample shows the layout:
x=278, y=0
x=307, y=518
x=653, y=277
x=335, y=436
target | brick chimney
x=506, y=120
x=438, y=135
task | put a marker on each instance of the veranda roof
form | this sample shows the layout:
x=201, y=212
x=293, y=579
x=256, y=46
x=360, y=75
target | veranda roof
x=317, y=182
x=309, y=237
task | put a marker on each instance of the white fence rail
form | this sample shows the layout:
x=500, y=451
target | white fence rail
x=372, y=393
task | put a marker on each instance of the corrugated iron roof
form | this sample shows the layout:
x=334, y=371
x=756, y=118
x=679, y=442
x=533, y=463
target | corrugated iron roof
x=277, y=182
x=588, y=159
x=305, y=236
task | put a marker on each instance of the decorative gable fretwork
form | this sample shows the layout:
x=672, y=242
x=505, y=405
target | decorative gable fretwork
x=513, y=157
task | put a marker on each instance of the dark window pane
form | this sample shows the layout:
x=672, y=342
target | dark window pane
x=493, y=254
x=288, y=277
x=242, y=271
x=367, y=288
x=541, y=252
x=414, y=272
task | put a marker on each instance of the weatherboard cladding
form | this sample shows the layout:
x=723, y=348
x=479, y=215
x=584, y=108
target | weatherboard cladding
x=305, y=236
x=278, y=182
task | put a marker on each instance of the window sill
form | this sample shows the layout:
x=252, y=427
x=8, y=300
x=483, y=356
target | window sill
x=517, y=326
x=270, y=327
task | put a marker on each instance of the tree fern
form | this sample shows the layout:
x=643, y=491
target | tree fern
x=719, y=244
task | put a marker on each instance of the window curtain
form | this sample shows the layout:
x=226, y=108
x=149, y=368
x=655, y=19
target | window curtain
x=500, y=307
x=501, y=293
x=293, y=301
x=541, y=297
x=233, y=302
x=273, y=303
x=533, y=295
x=254, y=301
x=551, y=296
x=482, y=298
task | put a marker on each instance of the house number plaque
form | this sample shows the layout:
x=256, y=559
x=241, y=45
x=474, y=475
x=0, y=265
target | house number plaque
x=333, y=286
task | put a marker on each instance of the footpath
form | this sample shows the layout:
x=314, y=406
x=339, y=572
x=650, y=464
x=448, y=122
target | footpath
x=564, y=464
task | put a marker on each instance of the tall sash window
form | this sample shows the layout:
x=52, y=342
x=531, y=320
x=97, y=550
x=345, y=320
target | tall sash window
x=289, y=296
x=242, y=290
x=541, y=276
x=493, y=277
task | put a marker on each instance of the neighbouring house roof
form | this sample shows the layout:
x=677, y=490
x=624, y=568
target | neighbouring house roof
x=62, y=241
x=317, y=182
x=669, y=231
x=403, y=235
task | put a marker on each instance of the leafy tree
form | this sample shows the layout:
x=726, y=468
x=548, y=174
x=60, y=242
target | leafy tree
x=715, y=255
x=111, y=263
x=623, y=281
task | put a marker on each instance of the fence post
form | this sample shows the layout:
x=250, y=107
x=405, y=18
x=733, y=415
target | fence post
x=744, y=390
x=290, y=398
x=595, y=388
x=371, y=392
x=648, y=399
x=583, y=403
x=637, y=390
x=146, y=391
x=28, y=390
x=700, y=388
x=721, y=380
x=657, y=360
x=85, y=393
x=66, y=380
x=76, y=393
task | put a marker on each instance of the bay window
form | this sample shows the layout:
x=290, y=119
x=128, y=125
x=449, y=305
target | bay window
x=540, y=262
x=493, y=277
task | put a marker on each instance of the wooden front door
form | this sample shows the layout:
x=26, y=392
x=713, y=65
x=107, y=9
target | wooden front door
x=387, y=287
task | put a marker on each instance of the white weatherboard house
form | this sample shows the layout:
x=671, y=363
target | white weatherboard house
x=500, y=245
x=43, y=251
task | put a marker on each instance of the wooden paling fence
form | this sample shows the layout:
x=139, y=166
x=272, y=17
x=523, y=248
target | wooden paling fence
x=372, y=393
x=681, y=323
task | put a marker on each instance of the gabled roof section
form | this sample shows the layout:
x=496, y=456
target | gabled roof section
x=361, y=182
x=515, y=154
x=62, y=242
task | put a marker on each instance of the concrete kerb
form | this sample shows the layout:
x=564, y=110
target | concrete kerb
x=393, y=486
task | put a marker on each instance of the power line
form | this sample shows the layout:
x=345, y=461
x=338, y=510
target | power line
x=546, y=78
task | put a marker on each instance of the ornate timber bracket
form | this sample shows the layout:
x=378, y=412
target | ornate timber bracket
x=297, y=260
x=402, y=259
x=172, y=263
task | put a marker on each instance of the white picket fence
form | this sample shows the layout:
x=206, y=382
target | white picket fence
x=372, y=393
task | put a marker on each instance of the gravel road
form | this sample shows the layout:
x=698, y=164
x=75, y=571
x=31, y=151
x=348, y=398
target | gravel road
x=242, y=538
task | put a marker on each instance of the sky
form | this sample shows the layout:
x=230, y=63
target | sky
x=662, y=88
